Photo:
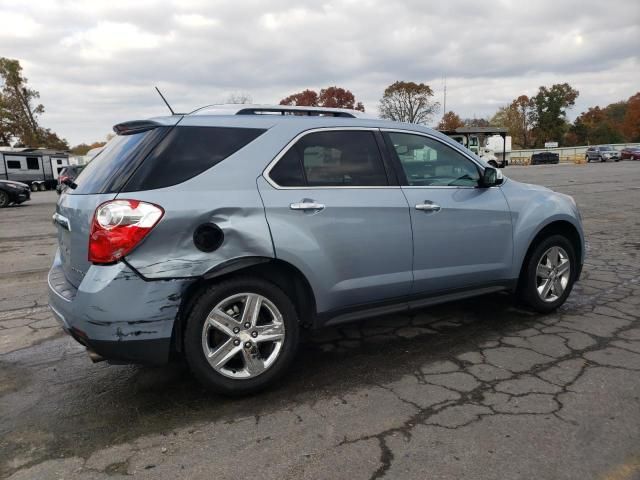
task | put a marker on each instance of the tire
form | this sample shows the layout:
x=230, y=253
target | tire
x=602, y=159
x=530, y=281
x=4, y=199
x=587, y=158
x=33, y=187
x=233, y=376
x=42, y=187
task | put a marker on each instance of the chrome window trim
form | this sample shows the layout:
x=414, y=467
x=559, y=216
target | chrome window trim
x=289, y=145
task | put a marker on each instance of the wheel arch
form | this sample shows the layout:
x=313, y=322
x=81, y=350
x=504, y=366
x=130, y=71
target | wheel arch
x=556, y=227
x=283, y=274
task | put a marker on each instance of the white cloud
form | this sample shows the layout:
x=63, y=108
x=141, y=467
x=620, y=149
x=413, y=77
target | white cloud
x=17, y=25
x=108, y=38
x=95, y=62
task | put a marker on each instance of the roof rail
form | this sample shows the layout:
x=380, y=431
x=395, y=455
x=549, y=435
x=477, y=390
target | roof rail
x=240, y=109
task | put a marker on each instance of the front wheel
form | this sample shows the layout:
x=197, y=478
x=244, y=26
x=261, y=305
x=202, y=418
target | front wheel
x=549, y=274
x=241, y=336
x=4, y=199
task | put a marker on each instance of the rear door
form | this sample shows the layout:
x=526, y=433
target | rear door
x=462, y=233
x=335, y=213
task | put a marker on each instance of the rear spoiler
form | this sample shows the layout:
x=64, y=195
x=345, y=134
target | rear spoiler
x=135, y=126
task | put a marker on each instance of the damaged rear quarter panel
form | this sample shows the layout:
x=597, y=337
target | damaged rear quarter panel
x=225, y=195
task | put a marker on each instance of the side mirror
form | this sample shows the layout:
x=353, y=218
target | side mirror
x=491, y=177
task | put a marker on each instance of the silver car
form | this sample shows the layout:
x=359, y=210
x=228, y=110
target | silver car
x=602, y=153
x=219, y=235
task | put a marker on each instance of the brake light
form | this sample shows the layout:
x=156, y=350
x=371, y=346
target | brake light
x=118, y=226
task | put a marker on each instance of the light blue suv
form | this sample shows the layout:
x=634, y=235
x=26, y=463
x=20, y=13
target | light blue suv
x=218, y=235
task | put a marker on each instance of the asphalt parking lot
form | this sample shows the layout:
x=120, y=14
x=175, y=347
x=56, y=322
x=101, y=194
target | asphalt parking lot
x=477, y=389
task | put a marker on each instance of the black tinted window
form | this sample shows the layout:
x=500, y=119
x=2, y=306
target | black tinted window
x=33, y=163
x=107, y=171
x=288, y=171
x=428, y=162
x=13, y=164
x=186, y=152
x=332, y=159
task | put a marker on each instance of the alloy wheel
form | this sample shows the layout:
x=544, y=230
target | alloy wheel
x=243, y=336
x=552, y=274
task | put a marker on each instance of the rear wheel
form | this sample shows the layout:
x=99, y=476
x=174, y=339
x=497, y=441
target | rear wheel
x=549, y=274
x=241, y=335
x=4, y=199
x=602, y=159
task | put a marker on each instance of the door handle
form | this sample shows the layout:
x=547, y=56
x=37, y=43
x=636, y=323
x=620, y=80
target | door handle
x=306, y=206
x=428, y=207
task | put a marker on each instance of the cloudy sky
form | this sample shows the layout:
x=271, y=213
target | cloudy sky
x=95, y=62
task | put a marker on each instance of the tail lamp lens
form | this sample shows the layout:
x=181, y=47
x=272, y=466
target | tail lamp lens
x=118, y=227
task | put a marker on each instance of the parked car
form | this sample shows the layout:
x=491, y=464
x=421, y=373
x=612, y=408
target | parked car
x=630, y=153
x=13, y=193
x=219, y=235
x=544, y=157
x=602, y=153
x=67, y=176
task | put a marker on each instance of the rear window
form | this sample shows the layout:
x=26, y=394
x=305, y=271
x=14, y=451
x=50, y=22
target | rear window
x=108, y=171
x=186, y=152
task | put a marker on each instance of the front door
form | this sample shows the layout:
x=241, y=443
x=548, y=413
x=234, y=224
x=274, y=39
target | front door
x=462, y=232
x=335, y=215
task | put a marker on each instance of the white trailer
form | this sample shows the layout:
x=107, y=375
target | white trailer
x=38, y=168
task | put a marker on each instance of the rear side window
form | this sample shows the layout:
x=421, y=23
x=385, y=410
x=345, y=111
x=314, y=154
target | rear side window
x=186, y=152
x=332, y=159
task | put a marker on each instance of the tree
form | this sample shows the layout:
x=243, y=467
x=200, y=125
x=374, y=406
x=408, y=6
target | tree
x=83, y=148
x=336, y=97
x=519, y=118
x=330, y=97
x=450, y=121
x=408, y=102
x=19, y=110
x=239, y=98
x=305, y=98
x=631, y=120
x=476, y=122
x=551, y=106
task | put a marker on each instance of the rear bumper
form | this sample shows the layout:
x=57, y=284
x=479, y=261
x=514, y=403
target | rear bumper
x=116, y=313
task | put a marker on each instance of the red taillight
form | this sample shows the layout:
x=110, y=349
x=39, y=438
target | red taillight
x=118, y=226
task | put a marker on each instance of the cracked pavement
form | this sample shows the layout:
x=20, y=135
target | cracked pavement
x=475, y=389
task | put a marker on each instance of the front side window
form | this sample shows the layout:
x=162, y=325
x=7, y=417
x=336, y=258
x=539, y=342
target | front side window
x=332, y=159
x=427, y=162
x=15, y=164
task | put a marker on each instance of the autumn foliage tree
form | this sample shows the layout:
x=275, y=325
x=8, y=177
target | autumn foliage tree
x=19, y=111
x=450, y=121
x=519, y=117
x=408, y=102
x=330, y=97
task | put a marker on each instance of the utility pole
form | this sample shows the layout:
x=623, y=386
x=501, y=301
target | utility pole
x=444, y=103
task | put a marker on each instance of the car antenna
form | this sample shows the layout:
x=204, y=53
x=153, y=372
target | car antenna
x=167, y=103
